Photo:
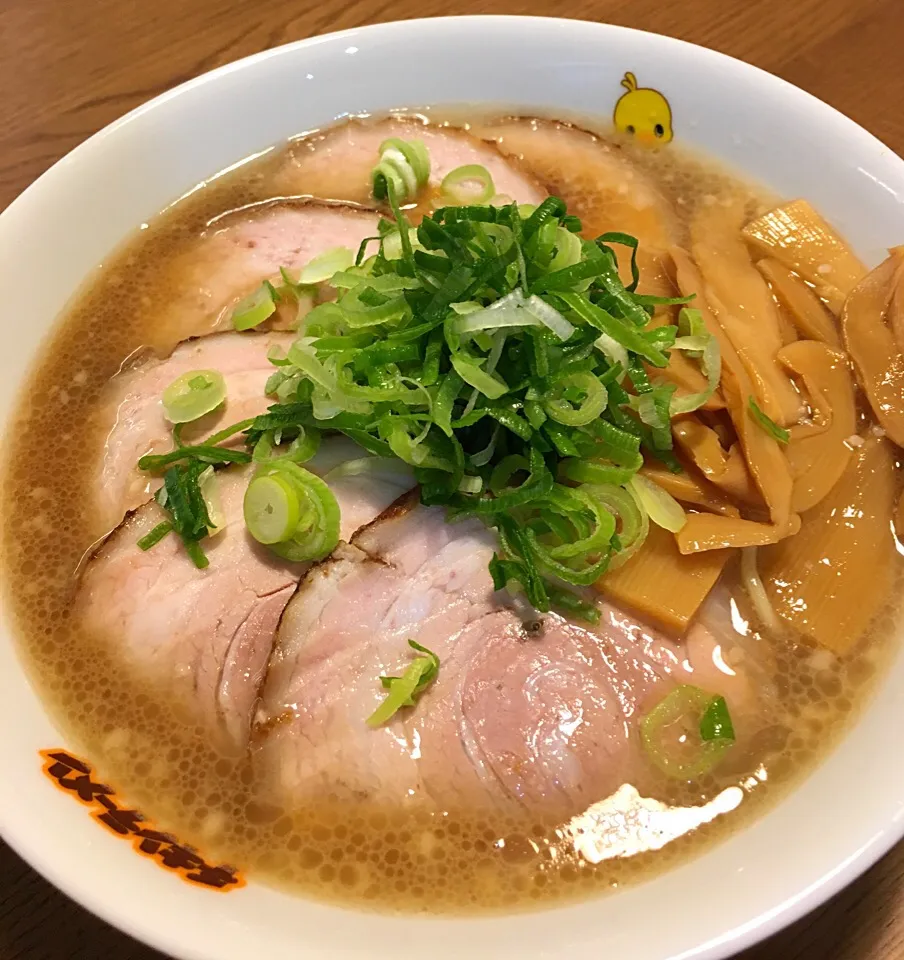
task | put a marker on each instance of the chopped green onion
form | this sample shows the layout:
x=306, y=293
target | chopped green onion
x=653, y=406
x=770, y=426
x=539, y=482
x=404, y=168
x=592, y=402
x=550, y=317
x=209, y=487
x=396, y=471
x=635, y=524
x=572, y=604
x=696, y=340
x=192, y=395
x=325, y=266
x=272, y=509
x=294, y=512
x=392, y=243
x=568, y=250
x=183, y=500
x=471, y=183
x=155, y=536
x=503, y=472
x=597, y=471
x=204, y=452
x=715, y=724
x=403, y=691
x=254, y=309
x=304, y=446
x=495, y=318
x=486, y=383
x=613, y=351
x=571, y=502
x=688, y=733
x=661, y=507
x=470, y=485
x=513, y=310
x=620, y=330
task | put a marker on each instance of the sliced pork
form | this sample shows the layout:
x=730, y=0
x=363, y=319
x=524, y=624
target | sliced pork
x=543, y=715
x=337, y=164
x=239, y=251
x=207, y=634
x=132, y=405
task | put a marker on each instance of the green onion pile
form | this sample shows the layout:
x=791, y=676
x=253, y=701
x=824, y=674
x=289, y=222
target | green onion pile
x=404, y=691
x=501, y=357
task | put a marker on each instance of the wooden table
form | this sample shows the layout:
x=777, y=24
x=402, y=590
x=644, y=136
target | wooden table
x=68, y=67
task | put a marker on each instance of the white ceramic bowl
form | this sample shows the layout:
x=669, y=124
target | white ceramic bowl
x=827, y=832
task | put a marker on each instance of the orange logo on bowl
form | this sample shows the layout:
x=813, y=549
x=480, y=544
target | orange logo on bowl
x=76, y=777
x=643, y=113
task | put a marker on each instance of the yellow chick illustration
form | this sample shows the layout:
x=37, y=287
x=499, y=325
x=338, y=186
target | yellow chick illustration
x=643, y=113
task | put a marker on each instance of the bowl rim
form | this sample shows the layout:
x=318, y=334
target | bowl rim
x=757, y=928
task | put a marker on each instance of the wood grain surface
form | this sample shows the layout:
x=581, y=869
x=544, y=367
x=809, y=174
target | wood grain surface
x=68, y=67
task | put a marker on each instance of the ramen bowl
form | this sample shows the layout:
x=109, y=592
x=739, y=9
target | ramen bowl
x=81, y=836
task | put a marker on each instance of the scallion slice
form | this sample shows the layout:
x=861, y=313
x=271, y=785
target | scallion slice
x=661, y=507
x=379, y=468
x=192, y=395
x=254, y=309
x=614, y=352
x=687, y=733
x=155, y=536
x=272, y=508
x=209, y=486
x=325, y=266
x=404, y=690
x=635, y=524
x=767, y=423
x=697, y=342
x=392, y=243
x=592, y=395
x=550, y=317
x=568, y=250
x=405, y=165
x=471, y=372
x=295, y=513
x=598, y=471
x=471, y=183
x=494, y=318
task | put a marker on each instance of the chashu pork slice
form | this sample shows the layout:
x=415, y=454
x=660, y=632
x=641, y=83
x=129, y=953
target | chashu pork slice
x=337, y=164
x=206, y=634
x=545, y=718
x=131, y=418
x=236, y=253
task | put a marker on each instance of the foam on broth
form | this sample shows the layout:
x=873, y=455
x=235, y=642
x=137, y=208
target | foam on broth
x=396, y=857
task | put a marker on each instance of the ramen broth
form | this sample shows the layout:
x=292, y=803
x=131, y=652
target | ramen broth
x=401, y=855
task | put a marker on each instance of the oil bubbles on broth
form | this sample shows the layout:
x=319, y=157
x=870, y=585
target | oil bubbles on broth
x=404, y=854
